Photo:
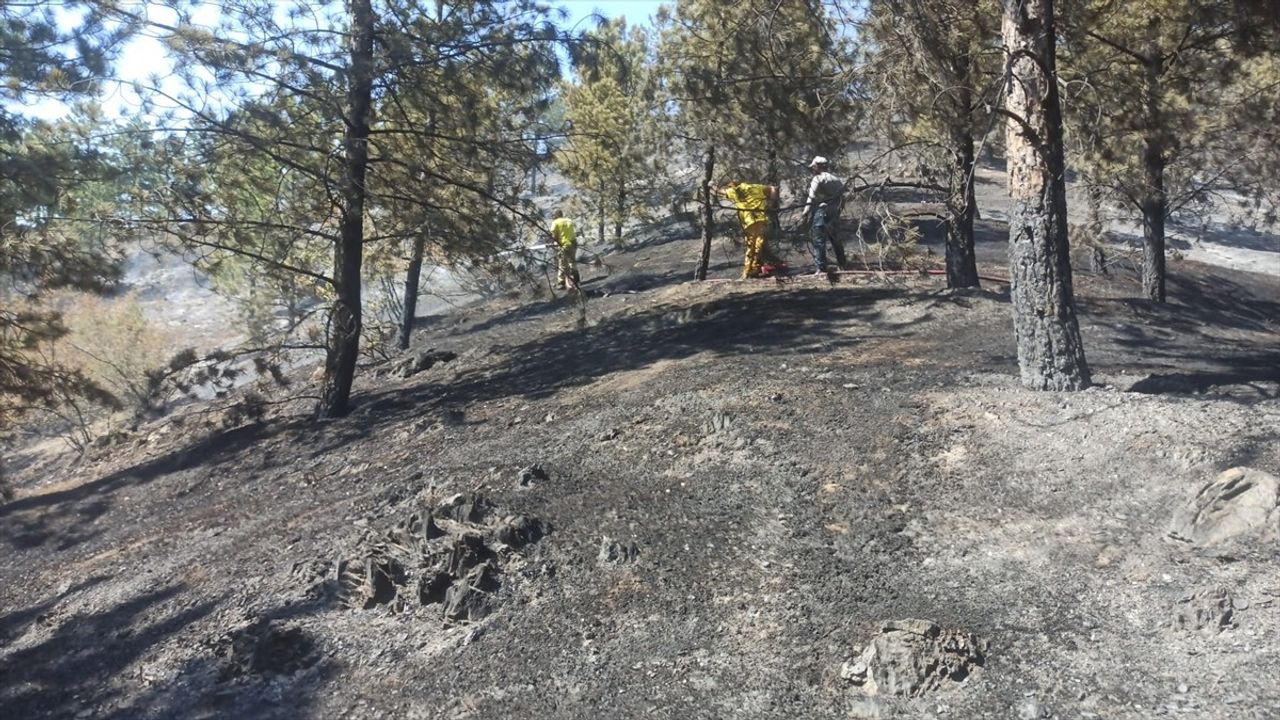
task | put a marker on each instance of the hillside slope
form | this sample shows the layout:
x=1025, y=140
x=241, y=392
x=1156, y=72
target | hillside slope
x=702, y=502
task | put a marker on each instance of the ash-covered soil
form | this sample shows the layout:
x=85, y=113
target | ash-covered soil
x=723, y=500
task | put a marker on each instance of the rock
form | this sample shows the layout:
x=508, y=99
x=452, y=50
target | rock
x=369, y=582
x=720, y=422
x=1210, y=610
x=608, y=435
x=433, y=586
x=424, y=360
x=530, y=475
x=912, y=657
x=468, y=551
x=453, y=417
x=518, y=531
x=465, y=507
x=471, y=598
x=616, y=552
x=1241, y=501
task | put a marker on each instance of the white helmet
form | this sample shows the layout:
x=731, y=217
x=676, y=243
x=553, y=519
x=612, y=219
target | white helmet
x=817, y=161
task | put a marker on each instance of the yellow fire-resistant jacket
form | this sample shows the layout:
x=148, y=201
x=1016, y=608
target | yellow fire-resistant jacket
x=750, y=201
x=562, y=231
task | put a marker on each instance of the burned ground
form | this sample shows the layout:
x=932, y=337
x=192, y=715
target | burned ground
x=741, y=484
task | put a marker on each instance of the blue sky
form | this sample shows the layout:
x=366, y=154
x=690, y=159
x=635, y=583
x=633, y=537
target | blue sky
x=636, y=12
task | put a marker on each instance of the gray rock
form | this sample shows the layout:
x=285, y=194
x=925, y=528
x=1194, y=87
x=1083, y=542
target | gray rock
x=424, y=360
x=1210, y=610
x=1241, y=501
x=532, y=474
x=912, y=657
x=720, y=422
x=471, y=598
x=617, y=552
x=518, y=531
x=465, y=507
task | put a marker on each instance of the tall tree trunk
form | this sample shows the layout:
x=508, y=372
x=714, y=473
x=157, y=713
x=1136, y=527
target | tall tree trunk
x=622, y=212
x=411, y=280
x=600, y=219
x=708, y=212
x=1155, y=203
x=962, y=265
x=344, y=320
x=1050, y=352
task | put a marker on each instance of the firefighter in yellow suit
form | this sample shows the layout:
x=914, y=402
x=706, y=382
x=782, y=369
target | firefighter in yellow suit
x=566, y=251
x=752, y=202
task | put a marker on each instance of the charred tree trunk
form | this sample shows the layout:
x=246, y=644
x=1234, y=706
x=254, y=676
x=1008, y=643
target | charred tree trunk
x=1098, y=260
x=1050, y=352
x=622, y=213
x=344, y=320
x=962, y=265
x=411, y=280
x=1155, y=202
x=708, y=213
x=602, y=207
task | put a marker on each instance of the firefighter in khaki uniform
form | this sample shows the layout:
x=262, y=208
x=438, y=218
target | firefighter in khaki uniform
x=566, y=251
x=752, y=201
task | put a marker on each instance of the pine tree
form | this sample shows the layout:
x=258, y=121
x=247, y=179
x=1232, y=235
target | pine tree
x=1050, y=353
x=755, y=88
x=934, y=74
x=335, y=105
x=609, y=110
x=1153, y=108
x=45, y=169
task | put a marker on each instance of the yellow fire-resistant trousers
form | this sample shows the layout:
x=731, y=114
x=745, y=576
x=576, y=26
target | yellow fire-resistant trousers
x=755, y=246
x=568, y=264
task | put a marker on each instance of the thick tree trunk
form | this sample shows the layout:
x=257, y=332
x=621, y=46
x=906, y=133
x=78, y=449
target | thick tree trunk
x=344, y=320
x=411, y=280
x=962, y=266
x=1155, y=203
x=708, y=213
x=1050, y=353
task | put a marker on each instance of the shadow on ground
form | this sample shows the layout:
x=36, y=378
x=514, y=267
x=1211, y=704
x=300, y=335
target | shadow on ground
x=80, y=668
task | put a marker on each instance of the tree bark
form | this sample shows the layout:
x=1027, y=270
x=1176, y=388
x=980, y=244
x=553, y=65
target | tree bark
x=1097, y=233
x=622, y=213
x=1050, y=352
x=344, y=320
x=411, y=280
x=708, y=216
x=962, y=265
x=600, y=218
x=1155, y=202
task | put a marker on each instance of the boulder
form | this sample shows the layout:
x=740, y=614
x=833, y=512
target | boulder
x=1239, y=502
